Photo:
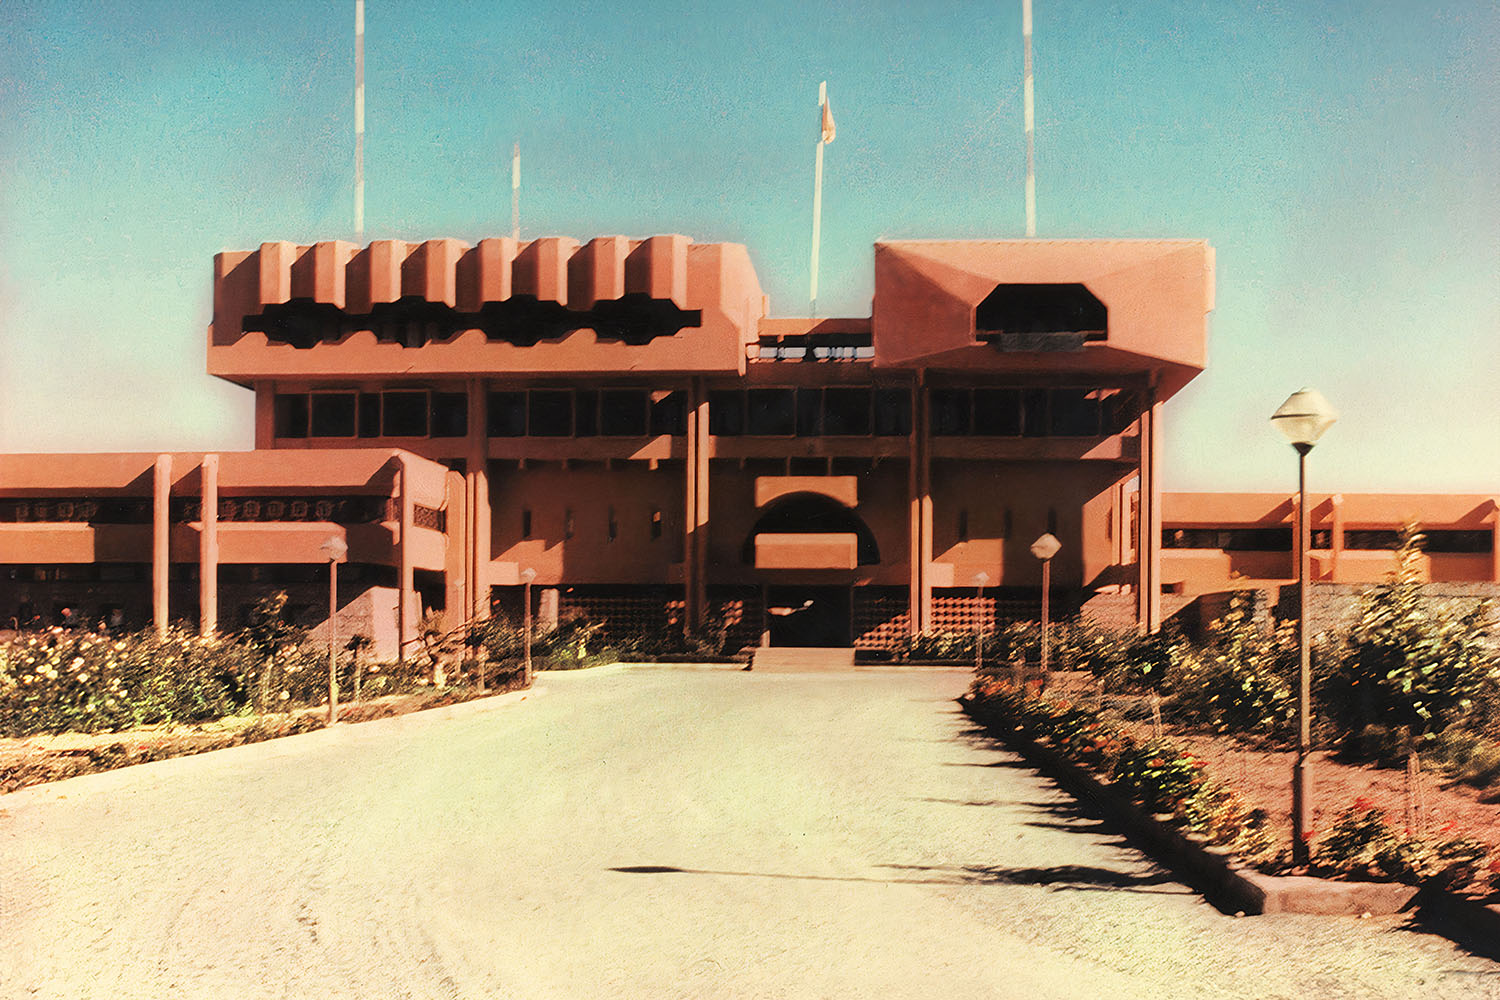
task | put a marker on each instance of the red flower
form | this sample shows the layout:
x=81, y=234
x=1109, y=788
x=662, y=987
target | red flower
x=1307, y=836
x=1363, y=804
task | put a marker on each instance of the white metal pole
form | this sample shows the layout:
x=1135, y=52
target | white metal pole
x=818, y=197
x=515, y=193
x=1030, y=124
x=359, y=121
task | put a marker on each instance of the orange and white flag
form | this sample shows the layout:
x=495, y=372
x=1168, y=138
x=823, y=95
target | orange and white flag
x=827, y=122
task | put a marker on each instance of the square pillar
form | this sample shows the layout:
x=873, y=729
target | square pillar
x=208, y=548
x=161, y=535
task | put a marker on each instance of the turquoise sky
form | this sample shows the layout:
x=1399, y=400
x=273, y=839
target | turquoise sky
x=1343, y=158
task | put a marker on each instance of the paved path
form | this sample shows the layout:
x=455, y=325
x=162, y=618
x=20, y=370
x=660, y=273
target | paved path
x=640, y=832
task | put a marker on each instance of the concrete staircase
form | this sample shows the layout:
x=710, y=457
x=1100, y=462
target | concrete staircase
x=805, y=659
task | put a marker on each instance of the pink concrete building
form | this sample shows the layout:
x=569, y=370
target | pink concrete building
x=625, y=419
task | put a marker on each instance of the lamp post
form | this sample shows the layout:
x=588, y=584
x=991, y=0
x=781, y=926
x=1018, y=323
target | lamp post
x=527, y=575
x=980, y=579
x=334, y=550
x=1303, y=418
x=1044, y=548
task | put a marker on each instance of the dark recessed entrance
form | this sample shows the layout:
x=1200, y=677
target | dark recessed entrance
x=809, y=616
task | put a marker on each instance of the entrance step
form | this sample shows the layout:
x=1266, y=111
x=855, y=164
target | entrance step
x=799, y=659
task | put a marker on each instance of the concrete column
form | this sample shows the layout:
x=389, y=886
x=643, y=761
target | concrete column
x=920, y=487
x=208, y=548
x=701, y=510
x=1336, y=537
x=161, y=537
x=1148, y=514
x=477, y=493
x=1495, y=541
x=265, y=415
x=406, y=599
x=1120, y=515
x=690, y=510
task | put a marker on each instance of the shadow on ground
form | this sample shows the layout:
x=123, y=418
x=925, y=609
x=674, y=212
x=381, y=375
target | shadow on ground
x=1058, y=878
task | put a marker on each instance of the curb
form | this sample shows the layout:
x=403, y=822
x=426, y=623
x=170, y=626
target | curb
x=1233, y=887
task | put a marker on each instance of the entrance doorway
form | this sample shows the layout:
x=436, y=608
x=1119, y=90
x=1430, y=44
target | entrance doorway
x=809, y=616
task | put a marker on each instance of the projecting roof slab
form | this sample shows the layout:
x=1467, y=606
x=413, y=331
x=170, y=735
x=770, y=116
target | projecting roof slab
x=1153, y=297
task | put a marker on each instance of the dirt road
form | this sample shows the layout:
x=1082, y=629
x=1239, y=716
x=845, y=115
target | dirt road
x=640, y=832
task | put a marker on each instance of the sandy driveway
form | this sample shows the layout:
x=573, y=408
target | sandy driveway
x=639, y=832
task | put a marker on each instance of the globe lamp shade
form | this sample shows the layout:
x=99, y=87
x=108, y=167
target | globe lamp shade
x=1304, y=417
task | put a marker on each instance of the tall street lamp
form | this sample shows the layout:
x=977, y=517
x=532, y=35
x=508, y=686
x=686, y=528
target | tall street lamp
x=1044, y=548
x=980, y=579
x=527, y=576
x=1303, y=418
x=335, y=549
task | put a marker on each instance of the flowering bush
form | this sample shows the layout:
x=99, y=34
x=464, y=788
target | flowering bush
x=1363, y=844
x=1158, y=776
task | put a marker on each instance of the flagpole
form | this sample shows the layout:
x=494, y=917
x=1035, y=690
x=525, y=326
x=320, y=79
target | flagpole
x=1030, y=97
x=817, y=232
x=359, y=121
x=515, y=193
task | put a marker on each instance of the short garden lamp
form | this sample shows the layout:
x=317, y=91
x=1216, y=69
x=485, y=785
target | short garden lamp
x=1303, y=418
x=335, y=550
x=980, y=579
x=527, y=576
x=1044, y=548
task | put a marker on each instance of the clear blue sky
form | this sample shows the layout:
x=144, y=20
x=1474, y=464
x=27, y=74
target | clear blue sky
x=1343, y=158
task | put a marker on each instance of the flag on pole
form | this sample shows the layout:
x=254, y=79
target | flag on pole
x=827, y=121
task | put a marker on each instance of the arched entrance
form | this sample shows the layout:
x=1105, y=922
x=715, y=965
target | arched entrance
x=813, y=537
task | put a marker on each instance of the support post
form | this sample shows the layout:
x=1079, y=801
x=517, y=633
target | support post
x=208, y=548
x=161, y=538
x=1300, y=825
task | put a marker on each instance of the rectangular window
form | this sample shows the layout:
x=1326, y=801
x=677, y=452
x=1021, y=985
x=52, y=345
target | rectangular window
x=507, y=416
x=1034, y=413
x=567, y=522
x=405, y=413
x=622, y=412
x=892, y=412
x=950, y=412
x=369, y=414
x=586, y=413
x=525, y=522
x=963, y=525
x=611, y=527
x=332, y=415
x=771, y=412
x=997, y=412
x=1075, y=413
x=450, y=415
x=550, y=413
x=290, y=412
x=809, y=412
x=726, y=413
x=846, y=412
x=656, y=524
x=669, y=413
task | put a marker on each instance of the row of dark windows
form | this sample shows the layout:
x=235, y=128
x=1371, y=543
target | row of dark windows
x=586, y=413
x=1032, y=412
x=413, y=413
x=656, y=524
x=845, y=411
x=135, y=510
x=228, y=573
x=1280, y=540
x=852, y=411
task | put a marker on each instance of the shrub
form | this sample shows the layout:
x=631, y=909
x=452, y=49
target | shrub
x=1158, y=775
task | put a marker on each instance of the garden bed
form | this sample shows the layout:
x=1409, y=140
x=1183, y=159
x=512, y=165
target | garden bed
x=1217, y=813
x=35, y=760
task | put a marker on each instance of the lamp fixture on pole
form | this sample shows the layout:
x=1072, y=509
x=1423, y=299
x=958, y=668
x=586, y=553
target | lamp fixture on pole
x=1303, y=418
x=1044, y=548
x=335, y=550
